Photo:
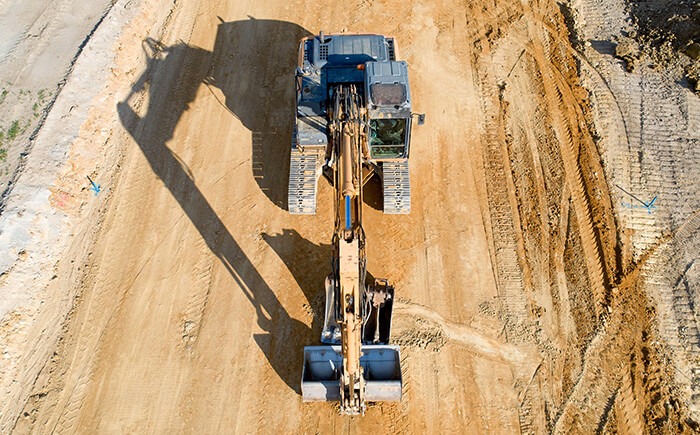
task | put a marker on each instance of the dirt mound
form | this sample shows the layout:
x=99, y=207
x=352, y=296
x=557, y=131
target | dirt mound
x=422, y=335
x=669, y=33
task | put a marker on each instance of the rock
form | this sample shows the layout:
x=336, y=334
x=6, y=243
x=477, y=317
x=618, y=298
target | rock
x=627, y=49
x=693, y=51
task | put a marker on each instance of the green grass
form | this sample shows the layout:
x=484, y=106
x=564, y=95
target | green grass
x=14, y=130
x=3, y=154
x=42, y=96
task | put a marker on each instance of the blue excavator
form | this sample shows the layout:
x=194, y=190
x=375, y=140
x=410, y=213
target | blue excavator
x=353, y=122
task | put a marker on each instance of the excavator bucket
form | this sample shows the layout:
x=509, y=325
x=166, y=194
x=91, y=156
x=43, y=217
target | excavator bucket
x=321, y=373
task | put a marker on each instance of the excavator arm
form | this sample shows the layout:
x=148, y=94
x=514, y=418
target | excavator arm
x=364, y=367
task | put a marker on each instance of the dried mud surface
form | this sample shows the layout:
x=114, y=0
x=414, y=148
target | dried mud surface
x=521, y=306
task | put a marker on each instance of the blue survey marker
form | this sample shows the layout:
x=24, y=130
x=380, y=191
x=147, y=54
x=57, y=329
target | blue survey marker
x=95, y=187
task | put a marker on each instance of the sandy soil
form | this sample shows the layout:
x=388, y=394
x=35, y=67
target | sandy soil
x=646, y=122
x=40, y=42
x=185, y=292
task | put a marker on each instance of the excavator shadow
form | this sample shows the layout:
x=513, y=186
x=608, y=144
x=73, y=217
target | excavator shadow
x=253, y=64
x=250, y=64
x=309, y=264
x=372, y=193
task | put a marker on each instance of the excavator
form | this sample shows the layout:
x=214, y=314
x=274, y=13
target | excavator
x=353, y=121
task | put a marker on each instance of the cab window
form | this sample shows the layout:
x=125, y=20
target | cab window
x=387, y=132
x=387, y=138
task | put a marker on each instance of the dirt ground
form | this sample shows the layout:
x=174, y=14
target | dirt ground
x=187, y=291
x=39, y=45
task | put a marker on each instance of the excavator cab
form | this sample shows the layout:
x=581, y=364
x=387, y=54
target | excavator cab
x=389, y=111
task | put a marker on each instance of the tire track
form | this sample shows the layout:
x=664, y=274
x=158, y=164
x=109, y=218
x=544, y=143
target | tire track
x=41, y=21
x=659, y=160
x=513, y=278
x=403, y=422
x=664, y=276
x=589, y=403
x=86, y=356
x=509, y=274
x=692, y=113
x=554, y=94
x=525, y=416
x=558, y=95
x=607, y=357
x=628, y=415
